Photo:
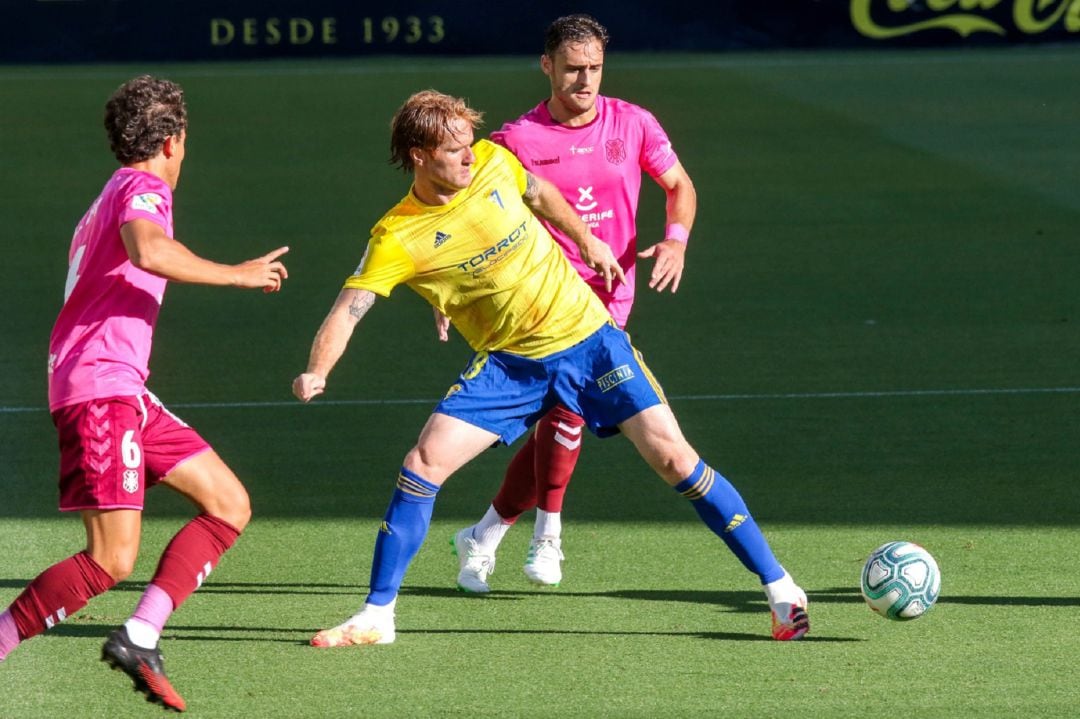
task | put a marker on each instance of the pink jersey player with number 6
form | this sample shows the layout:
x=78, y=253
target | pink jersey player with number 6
x=116, y=438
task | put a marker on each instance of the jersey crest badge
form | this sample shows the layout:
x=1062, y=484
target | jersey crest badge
x=615, y=151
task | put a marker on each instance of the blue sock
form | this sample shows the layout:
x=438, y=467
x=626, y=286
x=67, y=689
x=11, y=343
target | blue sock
x=721, y=507
x=402, y=532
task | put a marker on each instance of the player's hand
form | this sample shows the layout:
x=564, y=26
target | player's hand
x=264, y=272
x=442, y=325
x=308, y=385
x=598, y=255
x=670, y=256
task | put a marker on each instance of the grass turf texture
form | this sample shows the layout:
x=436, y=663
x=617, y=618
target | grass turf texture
x=871, y=225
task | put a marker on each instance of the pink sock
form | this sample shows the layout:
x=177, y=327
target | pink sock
x=9, y=634
x=154, y=608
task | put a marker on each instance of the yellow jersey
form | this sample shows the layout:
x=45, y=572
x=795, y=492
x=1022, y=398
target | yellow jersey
x=486, y=262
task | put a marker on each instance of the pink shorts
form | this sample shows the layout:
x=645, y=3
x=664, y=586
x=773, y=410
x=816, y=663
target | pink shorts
x=112, y=449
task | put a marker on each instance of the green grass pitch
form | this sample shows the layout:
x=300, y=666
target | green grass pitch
x=876, y=339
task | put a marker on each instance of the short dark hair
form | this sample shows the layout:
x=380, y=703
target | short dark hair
x=574, y=28
x=423, y=121
x=141, y=114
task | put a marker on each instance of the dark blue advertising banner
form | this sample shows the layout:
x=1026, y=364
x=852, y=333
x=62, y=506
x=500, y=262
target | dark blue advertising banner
x=123, y=30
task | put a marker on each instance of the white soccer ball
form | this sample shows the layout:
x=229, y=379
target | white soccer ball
x=900, y=581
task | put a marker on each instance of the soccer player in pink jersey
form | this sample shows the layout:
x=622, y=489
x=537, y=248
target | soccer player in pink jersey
x=116, y=439
x=594, y=149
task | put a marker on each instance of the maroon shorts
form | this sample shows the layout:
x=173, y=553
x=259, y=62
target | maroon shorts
x=112, y=449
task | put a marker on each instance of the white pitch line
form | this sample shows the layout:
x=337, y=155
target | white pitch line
x=677, y=398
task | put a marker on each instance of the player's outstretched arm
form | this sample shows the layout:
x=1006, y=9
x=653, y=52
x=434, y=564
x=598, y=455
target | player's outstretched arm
x=150, y=249
x=545, y=200
x=681, y=208
x=331, y=340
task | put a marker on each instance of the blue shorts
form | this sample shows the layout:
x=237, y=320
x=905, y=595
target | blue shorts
x=602, y=378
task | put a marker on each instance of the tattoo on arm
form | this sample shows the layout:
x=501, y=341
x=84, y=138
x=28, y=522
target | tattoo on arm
x=532, y=187
x=360, y=305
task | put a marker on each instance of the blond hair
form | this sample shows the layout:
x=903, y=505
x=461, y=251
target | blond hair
x=423, y=121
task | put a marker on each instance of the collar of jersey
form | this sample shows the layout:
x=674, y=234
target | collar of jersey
x=424, y=207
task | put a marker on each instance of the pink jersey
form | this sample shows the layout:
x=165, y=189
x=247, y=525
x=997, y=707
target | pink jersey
x=598, y=169
x=100, y=344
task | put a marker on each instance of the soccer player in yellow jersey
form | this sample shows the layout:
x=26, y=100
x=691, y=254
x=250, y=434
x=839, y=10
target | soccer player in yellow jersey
x=467, y=240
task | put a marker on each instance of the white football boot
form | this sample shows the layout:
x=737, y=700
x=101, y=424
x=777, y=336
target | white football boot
x=543, y=563
x=474, y=565
x=372, y=625
x=788, y=604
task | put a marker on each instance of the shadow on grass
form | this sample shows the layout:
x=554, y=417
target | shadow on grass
x=90, y=626
x=738, y=601
x=278, y=634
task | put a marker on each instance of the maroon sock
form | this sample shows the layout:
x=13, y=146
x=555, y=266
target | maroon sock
x=57, y=593
x=558, y=445
x=192, y=553
x=518, y=491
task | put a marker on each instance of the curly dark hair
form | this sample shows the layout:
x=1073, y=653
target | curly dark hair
x=423, y=121
x=575, y=29
x=141, y=114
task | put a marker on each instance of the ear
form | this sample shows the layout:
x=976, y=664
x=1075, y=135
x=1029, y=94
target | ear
x=417, y=156
x=168, y=148
x=545, y=64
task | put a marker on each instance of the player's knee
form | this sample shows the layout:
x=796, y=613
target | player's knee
x=423, y=462
x=230, y=503
x=117, y=564
x=673, y=463
x=683, y=466
x=672, y=471
x=235, y=508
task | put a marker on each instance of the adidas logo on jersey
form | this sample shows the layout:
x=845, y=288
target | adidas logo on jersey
x=440, y=238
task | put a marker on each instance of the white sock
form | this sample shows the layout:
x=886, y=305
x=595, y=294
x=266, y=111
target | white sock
x=142, y=634
x=490, y=530
x=548, y=524
x=385, y=611
x=783, y=589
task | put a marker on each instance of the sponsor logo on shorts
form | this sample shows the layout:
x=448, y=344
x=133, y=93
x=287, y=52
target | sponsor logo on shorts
x=615, y=377
x=131, y=481
x=454, y=389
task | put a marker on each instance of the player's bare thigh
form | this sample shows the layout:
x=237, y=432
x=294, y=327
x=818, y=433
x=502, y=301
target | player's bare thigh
x=112, y=539
x=208, y=482
x=656, y=434
x=446, y=444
